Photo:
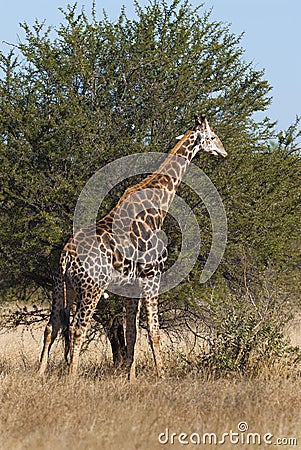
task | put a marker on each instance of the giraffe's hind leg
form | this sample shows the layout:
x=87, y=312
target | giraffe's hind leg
x=50, y=334
x=54, y=324
x=72, y=298
x=80, y=324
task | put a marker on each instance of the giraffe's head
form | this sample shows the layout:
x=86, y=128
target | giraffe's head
x=205, y=139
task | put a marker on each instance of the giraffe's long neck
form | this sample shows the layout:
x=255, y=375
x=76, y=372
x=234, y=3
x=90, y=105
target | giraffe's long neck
x=149, y=200
x=168, y=176
x=157, y=191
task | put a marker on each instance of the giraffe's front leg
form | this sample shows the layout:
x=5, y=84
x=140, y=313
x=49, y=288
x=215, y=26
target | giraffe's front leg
x=151, y=304
x=132, y=318
x=149, y=294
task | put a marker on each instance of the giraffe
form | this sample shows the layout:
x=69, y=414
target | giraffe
x=125, y=247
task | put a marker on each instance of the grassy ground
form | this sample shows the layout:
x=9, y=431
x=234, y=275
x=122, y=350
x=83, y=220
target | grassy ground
x=102, y=410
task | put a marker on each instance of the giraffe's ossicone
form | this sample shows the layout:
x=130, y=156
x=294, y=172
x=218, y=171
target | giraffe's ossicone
x=127, y=247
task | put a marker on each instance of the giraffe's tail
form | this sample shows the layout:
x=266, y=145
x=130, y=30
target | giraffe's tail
x=65, y=320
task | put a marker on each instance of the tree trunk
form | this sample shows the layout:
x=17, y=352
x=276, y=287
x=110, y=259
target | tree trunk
x=115, y=334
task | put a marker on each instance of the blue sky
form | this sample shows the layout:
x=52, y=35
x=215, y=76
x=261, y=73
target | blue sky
x=272, y=38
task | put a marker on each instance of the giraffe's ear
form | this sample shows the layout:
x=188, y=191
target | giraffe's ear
x=178, y=138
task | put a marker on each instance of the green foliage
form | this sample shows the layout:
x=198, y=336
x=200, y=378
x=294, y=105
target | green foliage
x=90, y=91
x=249, y=335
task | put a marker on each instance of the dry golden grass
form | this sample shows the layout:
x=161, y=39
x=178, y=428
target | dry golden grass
x=102, y=410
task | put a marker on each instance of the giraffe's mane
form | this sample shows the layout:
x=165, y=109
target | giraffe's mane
x=153, y=175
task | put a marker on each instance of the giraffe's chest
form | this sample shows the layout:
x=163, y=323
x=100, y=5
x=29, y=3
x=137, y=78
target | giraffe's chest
x=130, y=264
x=133, y=256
